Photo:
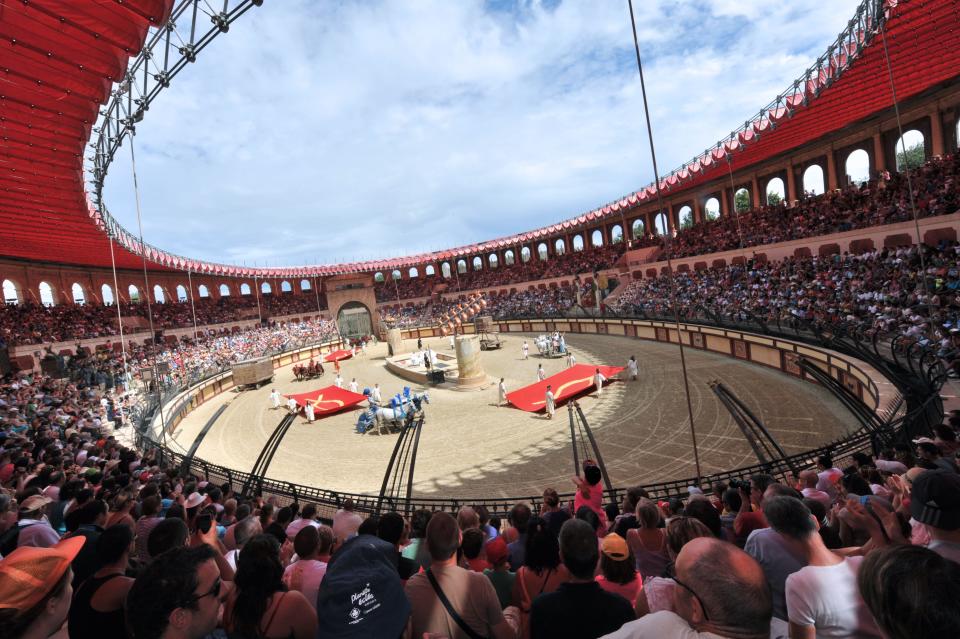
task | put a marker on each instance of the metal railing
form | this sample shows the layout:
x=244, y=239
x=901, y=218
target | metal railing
x=916, y=375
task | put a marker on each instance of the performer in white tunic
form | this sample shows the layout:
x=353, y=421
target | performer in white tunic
x=308, y=409
x=571, y=360
x=632, y=367
x=526, y=350
x=453, y=343
x=275, y=399
x=541, y=374
x=551, y=406
x=375, y=394
x=501, y=393
x=292, y=406
x=354, y=386
x=598, y=380
x=338, y=381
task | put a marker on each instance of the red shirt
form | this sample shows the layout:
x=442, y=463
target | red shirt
x=478, y=564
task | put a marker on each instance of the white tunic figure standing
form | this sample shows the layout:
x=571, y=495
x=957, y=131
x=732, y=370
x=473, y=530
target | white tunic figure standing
x=632, y=367
x=541, y=374
x=308, y=409
x=453, y=343
x=354, y=387
x=598, y=380
x=375, y=394
x=526, y=350
x=501, y=393
x=275, y=399
x=551, y=405
x=571, y=360
x=292, y=406
x=338, y=381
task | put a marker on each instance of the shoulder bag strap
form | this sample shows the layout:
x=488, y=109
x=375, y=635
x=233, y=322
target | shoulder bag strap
x=450, y=610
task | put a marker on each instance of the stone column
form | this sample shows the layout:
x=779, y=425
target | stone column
x=470, y=373
x=394, y=341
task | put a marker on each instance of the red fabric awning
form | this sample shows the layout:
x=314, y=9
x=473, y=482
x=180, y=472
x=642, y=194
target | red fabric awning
x=566, y=385
x=337, y=356
x=328, y=400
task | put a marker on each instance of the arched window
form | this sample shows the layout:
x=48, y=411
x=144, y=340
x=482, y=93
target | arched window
x=577, y=243
x=181, y=293
x=637, y=228
x=244, y=289
x=616, y=234
x=224, y=290
x=509, y=258
x=711, y=208
x=445, y=270
x=857, y=167
x=203, y=291
x=79, y=297
x=413, y=272
x=813, y=180
x=46, y=294
x=560, y=247
x=305, y=285
x=910, y=150
x=378, y=277
x=660, y=223
x=596, y=238
x=525, y=254
x=133, y=294
x=158, y=295
x=396, y=275
x=493, y=260
x=542, y=251
x=106, y=294
x=741, y=200
x=285, y=287
x=430, y=270
x=461, y=266
x=686, y=217
x=477, y=263
x=10, y=295
x=776, y=192
x=265, y=289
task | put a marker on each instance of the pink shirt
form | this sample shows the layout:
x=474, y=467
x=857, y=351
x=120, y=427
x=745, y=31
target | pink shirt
x=628, y=591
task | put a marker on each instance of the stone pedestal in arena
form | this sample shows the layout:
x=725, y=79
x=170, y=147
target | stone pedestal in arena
x=470, y=373
x=394, y=341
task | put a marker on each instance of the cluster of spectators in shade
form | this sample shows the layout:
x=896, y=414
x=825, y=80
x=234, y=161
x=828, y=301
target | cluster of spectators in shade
x=31, y=323
x=102, y=541
x=588, y=260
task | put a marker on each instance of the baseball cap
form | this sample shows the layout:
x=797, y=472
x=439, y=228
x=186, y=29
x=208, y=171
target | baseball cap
x=497, y=550
x=615, y=547
x=362, y=595
x=935, y=499
x=34, y=502
x=29, y=574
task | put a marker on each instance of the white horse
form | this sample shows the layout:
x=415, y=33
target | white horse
x=394, y=415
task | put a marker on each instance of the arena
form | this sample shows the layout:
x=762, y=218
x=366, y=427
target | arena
x=562, y=392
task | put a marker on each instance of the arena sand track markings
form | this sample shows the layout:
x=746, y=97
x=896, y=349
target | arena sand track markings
x=469, y=447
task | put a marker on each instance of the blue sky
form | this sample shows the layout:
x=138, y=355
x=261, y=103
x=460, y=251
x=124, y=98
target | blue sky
x=319, y=132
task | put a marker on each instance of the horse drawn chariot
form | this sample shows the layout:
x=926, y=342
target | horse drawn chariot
x=312, y=370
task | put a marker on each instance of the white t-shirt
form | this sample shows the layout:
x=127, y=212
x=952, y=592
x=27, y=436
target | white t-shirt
x=657, y=625
x=296, y=526
x=345, y=524
x=827, y=597
x=305, y=576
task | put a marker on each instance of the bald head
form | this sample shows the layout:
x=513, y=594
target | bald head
x=733, y=591
x=809, y=478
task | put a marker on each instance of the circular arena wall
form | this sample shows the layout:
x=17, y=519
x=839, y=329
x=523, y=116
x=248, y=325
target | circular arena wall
x=877, y=393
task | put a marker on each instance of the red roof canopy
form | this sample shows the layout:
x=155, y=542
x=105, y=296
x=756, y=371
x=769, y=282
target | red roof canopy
x=60, y=60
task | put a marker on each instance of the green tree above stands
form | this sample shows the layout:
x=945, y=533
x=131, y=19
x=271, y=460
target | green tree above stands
x=912, y=158
x=711, y=215
x=686, y=221
x=773, y=198
x=742, y=200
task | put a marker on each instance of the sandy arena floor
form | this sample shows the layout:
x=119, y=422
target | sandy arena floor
x=469, y=447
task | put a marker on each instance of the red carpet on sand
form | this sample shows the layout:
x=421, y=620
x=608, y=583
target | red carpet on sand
x=566, y=385
x=337, y=355
x=328, y=400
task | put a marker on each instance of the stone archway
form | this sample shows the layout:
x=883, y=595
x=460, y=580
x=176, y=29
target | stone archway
x=354, y=320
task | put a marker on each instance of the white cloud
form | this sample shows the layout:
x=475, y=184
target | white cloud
x=339, y=131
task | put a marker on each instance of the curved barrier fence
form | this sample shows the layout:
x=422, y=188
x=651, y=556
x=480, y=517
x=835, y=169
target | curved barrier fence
x=892, y=386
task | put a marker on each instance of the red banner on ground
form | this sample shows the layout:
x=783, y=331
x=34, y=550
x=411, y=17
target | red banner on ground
x=337, y=355
x=327, y=401
x=565, y=385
